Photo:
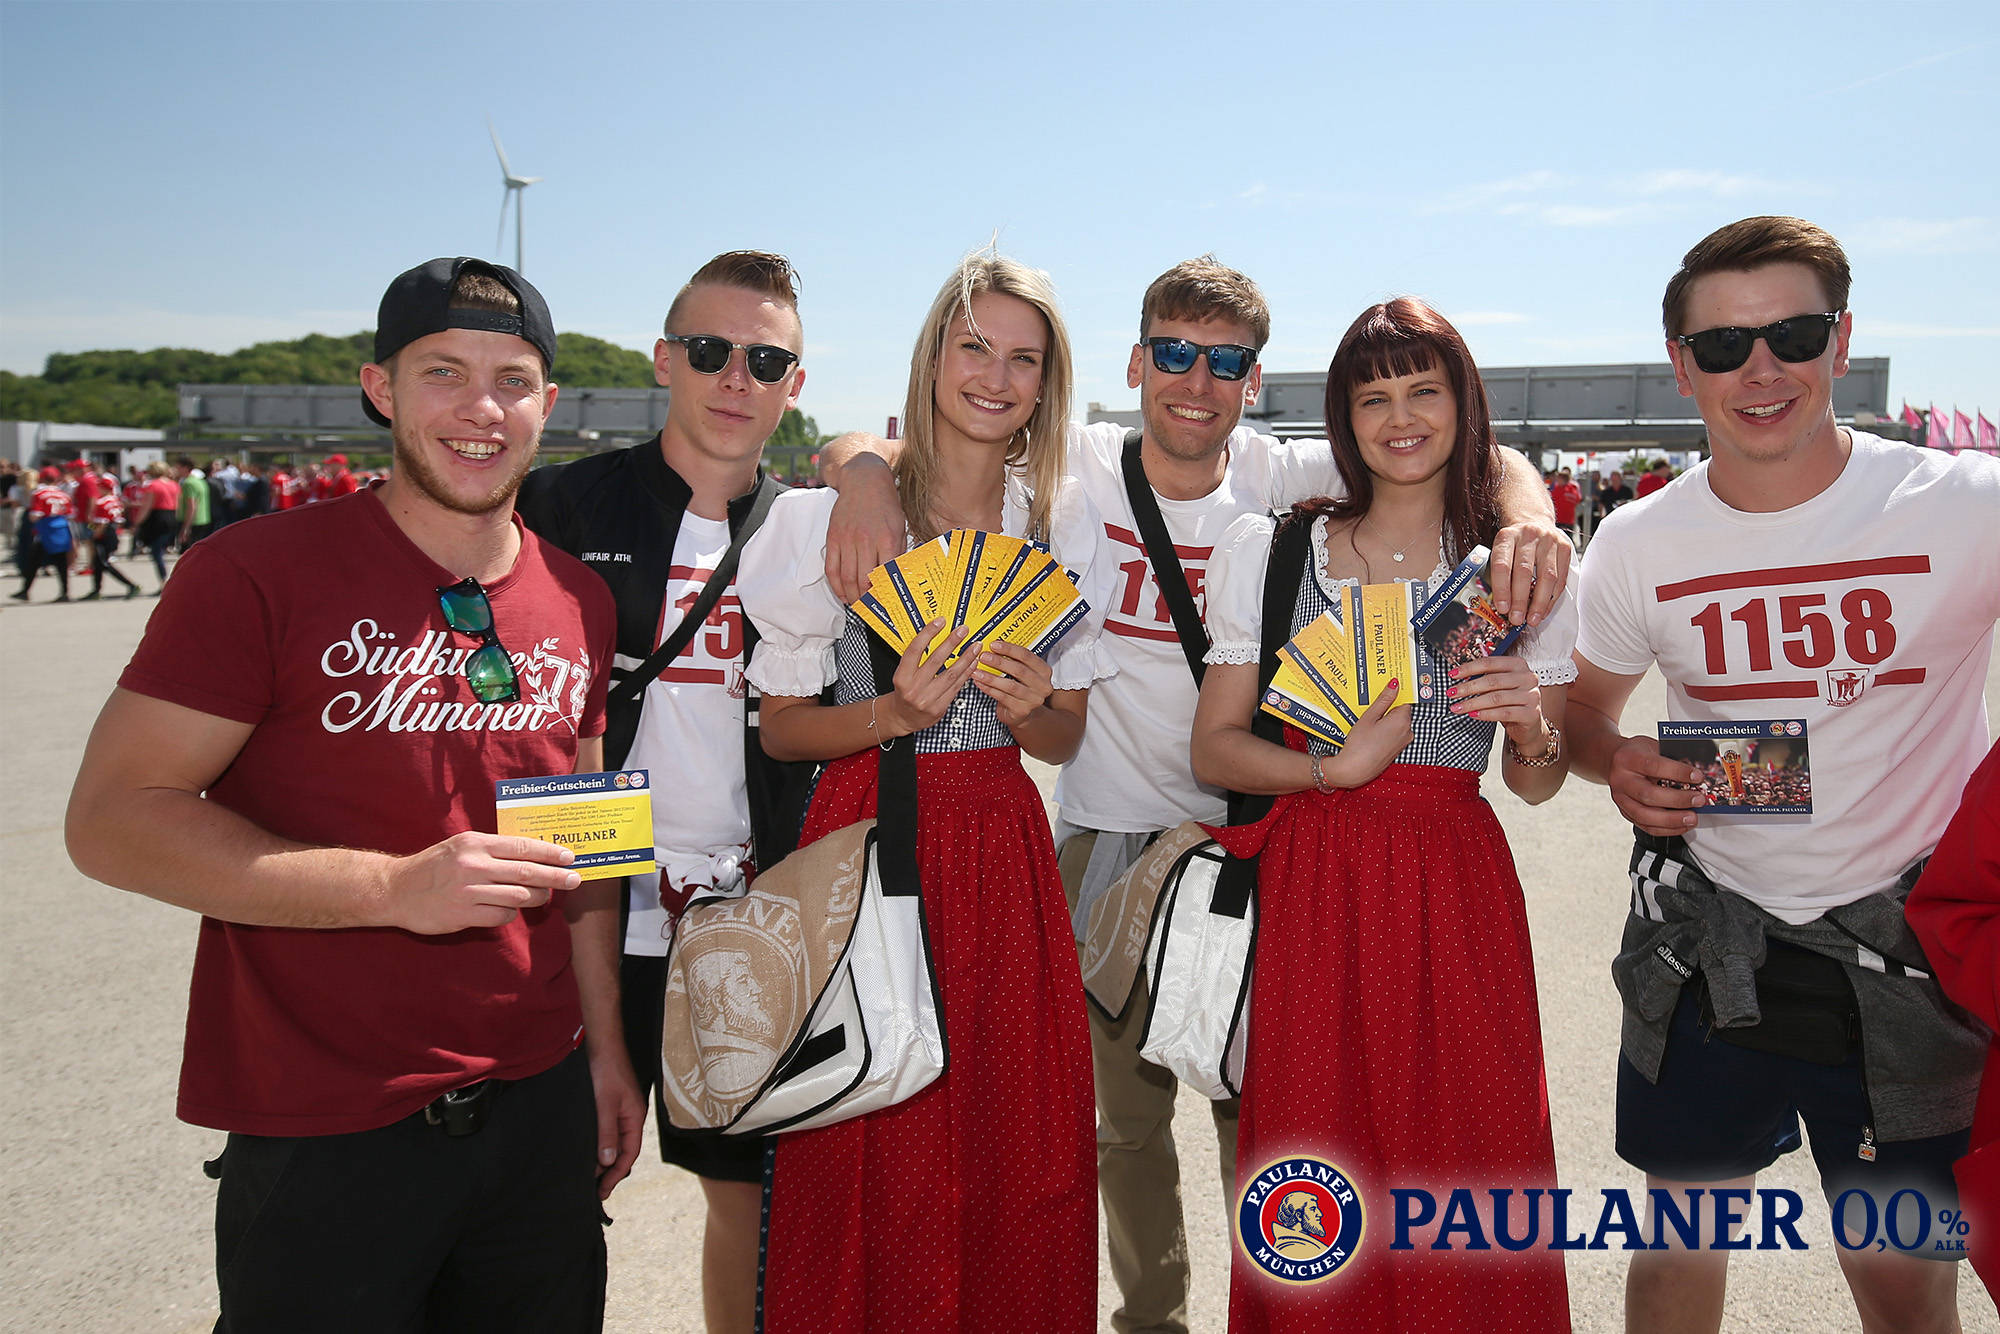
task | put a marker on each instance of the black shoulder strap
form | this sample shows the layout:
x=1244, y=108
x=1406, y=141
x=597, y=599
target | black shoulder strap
x=634, y=685
x=1291, y=547
x=1167, y=572
x=896, y=790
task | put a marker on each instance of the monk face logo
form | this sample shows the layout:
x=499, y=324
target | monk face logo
x=744, y=985
x=725, y=980
x=1299, y=1220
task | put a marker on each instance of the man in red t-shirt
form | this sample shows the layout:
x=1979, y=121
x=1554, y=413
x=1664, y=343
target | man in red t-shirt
x=1656, y=477
x=1566, y=496
x=387, y=998
x=84, y=486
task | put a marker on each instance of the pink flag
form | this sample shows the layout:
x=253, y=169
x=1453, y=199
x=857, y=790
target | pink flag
x=1937, y=431
x=1911, y=417
x=1989, y=436
x=1961, y=431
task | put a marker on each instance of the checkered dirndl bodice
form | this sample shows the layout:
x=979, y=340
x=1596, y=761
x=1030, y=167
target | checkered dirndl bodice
x=972, y=723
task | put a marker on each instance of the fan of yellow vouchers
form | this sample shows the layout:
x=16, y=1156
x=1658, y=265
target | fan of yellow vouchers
x=1003, y=588
x=1333, y=668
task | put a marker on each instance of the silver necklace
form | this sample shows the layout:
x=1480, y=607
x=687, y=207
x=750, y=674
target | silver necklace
x=1394, y=551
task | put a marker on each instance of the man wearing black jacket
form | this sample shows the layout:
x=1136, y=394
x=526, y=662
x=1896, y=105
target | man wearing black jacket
x=656, y=522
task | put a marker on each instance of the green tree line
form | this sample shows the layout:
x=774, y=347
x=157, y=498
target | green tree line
x=132, y=388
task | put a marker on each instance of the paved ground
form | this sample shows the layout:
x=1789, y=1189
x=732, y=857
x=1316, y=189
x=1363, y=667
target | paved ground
x=106, y=1221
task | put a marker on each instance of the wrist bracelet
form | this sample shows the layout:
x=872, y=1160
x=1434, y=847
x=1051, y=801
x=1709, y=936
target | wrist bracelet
x=1552, y=736
x=1319, y=779
x=879, y=742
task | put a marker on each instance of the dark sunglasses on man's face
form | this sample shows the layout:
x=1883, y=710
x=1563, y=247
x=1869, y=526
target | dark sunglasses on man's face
x=1226, y=361
x=488, y=669
x=1800, y=338
x=709, y=355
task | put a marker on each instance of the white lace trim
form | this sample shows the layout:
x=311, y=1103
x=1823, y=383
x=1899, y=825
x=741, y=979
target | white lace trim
x=1557, y=674
x=1321, y=561
x=1233, y=655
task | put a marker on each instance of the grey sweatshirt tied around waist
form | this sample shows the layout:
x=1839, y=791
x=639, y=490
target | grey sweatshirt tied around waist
x=1921, y=1054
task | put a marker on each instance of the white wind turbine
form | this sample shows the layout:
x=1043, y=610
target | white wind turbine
x=512, y=187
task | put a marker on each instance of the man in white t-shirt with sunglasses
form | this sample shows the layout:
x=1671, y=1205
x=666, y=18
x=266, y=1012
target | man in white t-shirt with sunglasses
x=1203, y=326
x=1810, y=575
x=660, y=523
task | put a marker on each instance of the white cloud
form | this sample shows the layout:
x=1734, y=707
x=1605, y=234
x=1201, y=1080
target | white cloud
x=1476, y=196
x=1925, y=236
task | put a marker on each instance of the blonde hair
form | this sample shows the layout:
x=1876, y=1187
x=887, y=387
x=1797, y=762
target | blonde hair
x=1037, y=448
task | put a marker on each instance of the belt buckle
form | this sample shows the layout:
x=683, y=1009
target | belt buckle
x=462, y=1111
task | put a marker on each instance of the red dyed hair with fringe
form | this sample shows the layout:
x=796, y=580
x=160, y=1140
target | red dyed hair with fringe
x=1405, y=337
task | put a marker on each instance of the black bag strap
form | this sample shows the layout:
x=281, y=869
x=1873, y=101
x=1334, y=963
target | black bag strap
x=1167, y=572
x=634, y=685
x=896, y=790
x=1290, y=549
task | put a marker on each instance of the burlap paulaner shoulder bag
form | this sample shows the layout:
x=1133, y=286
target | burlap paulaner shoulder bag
x=811, y=998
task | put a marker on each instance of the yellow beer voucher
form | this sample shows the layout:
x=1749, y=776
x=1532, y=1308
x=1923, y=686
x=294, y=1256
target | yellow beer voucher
x=1000, y=588
x=605, y=819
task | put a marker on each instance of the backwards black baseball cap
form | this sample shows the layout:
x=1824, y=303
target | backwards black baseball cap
x=418, y=304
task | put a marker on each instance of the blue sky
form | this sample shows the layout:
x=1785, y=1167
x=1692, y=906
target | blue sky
x=213, y=175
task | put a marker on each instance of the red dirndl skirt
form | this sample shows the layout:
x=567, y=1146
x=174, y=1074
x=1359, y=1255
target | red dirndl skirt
x=973, y=1205
x=1394, y=1032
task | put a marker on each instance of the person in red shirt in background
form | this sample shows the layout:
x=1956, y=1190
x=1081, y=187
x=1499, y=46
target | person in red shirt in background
x=154, y=514
x=81, y=480
x=1955, y=911
x=49, y=511
x=133, y=487
x=106, y=512
x=1566, y=496
x=1661, y=473
x=333, y=479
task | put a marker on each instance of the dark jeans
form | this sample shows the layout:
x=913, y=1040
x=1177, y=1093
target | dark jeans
x=105, y=541
x=406, y=1230
x=157, y=534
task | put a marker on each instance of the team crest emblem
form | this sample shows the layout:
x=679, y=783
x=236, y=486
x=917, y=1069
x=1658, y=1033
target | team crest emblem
x=1299, y=1220
x=1844, y=685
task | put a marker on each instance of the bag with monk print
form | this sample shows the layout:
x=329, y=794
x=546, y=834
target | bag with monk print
x=811, y=998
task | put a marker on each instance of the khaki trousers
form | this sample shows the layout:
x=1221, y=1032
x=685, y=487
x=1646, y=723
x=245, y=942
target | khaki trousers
x=1138, y=1169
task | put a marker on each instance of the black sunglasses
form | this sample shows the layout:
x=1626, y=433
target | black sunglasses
x=1226, y=361
x=709, y=355
x=1800, y=338
x=488, y=670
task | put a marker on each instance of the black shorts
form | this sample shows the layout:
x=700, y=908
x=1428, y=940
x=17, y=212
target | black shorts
x=1720, y=1111
x=643, y=979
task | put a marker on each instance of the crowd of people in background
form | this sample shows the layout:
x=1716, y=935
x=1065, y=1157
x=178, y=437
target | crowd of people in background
x=71, y=517
x=1612, y=489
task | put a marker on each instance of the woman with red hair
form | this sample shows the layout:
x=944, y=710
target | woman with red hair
x=1394, y=1030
